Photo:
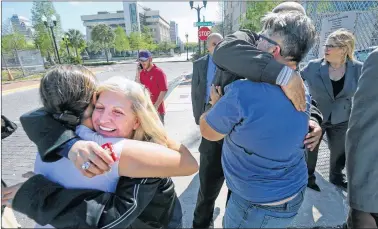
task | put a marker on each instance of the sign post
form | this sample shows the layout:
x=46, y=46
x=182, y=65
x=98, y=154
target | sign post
x=203, y=33
x=203, y=23
x=346, y=20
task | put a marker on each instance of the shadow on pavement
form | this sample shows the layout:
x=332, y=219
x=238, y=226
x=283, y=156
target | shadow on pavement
x=327, y=208
x=193, y=140
x=188, y=201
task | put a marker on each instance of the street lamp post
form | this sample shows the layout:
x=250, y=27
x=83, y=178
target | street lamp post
x=187, y=47
x=198, y=8
x=51, y=26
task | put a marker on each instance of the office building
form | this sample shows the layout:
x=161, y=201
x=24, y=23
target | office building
x=21, y=25
x=112, y=19
x=174, y=32
x=158, y=25
x=132, y=18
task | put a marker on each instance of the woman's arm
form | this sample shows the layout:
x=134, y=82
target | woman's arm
x=145, y=159
x=139, y=159
x=47, y=202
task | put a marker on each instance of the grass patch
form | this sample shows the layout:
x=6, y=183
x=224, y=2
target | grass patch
x=17, y=75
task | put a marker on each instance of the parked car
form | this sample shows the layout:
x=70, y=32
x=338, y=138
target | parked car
x=361, y=55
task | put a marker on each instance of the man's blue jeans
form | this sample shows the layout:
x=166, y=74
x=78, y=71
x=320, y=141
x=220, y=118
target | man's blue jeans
x=241, y=213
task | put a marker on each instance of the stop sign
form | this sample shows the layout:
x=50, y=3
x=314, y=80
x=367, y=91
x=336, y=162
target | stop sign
x=203, y=33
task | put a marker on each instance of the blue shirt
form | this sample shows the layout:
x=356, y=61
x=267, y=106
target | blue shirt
x=263, y=153
x=209, y=76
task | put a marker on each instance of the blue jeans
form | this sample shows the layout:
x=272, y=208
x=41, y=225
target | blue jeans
x=241, y=213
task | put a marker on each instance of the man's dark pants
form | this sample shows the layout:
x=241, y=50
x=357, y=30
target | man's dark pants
x=211, y=181
x=360, y=219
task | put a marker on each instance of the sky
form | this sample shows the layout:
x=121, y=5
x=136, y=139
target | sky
x=70, y=13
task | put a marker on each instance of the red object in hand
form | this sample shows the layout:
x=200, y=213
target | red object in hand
x=109, y=147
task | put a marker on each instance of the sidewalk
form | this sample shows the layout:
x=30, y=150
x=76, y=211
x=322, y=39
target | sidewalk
x=175, y=58
x=325, y=209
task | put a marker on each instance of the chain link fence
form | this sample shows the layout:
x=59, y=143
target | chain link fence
x=21, y=64
x=360, y=17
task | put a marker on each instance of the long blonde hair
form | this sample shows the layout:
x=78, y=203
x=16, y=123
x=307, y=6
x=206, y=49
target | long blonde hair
x=150, y=128
x=343, y=37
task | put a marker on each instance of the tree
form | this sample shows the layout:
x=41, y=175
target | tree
x=14, y=41
x=76, y=40
x=165, y=46
x=136, y=42
x=42, y=37
x=104, y=36
x=148, y=39
x=93, y=47
x=192, y=45
x=121, y=42
x=255, y=11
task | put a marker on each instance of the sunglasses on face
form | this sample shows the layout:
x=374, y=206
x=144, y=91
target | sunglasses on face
x=333, y=46
x=262, y=37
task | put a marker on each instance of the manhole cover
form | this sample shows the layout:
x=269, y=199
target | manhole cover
x=184, y=96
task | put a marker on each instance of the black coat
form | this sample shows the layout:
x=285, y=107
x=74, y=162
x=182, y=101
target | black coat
x=237, y=57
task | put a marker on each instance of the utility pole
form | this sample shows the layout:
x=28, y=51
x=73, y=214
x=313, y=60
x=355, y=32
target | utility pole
x=187, y=47
x=198, y=8
x=204, y=42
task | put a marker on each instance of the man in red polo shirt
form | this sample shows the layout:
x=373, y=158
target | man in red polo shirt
x=154, y=79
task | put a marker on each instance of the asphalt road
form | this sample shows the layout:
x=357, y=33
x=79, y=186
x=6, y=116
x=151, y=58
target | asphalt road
x=15, y=104
x=18, y=152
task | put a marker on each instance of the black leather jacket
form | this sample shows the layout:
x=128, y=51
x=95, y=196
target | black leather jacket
x=136, y=203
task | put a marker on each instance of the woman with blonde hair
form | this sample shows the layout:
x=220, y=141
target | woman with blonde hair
x=332, y=81
x=124, y=119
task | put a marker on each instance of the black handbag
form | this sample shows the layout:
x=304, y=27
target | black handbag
x=7, y=127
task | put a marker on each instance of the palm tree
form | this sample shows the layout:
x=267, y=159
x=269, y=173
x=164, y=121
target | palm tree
x=104, y=36
x=76, y=39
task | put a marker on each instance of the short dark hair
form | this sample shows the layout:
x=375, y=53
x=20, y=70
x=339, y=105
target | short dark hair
x=296, y=31
x=67, y=88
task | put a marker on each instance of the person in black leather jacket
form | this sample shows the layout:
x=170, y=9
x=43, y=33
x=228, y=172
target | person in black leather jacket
x=137, y=202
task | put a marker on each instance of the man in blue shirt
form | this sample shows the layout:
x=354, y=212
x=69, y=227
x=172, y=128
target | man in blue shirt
x=211, y=174
x=263, y=153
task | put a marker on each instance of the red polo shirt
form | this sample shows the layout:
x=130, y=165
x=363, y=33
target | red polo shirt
x=155, y=81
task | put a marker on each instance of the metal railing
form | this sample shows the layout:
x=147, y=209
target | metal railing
x=21, y=63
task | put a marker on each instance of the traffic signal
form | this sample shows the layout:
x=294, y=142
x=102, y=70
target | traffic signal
x=204, y=3
x=191, y=4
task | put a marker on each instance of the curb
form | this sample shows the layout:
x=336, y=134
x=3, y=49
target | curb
x=18, y=81
x=173, y=61
x=9, y=91
x=14, y=90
